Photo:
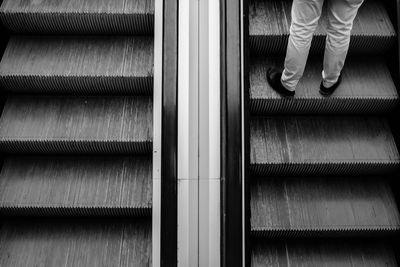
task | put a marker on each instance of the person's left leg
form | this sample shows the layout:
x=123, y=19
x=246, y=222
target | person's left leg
x=341, y=14
x=305, y=15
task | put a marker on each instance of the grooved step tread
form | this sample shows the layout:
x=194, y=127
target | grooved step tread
x=77, y=124
x=332, y=253
x=269, y=24
x=367, y=87
x=313, y=206
x=78, y=65
x=321, y=145
x=123, y=242
x=76, y=186
x=79, y=16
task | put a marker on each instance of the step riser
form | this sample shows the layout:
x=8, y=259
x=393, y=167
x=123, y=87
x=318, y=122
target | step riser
x=358, y=44
x=74, y=146
x=75, y=211
x=70, y=23
x=329, y=169
x=371, y=233
x=78, y=85
x=322, y=106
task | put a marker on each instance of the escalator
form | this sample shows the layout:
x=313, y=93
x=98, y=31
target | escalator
x=320, y=183
x=76, y=133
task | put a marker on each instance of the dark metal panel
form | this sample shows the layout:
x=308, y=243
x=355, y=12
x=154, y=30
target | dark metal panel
x=231, y=133
x=169, y=174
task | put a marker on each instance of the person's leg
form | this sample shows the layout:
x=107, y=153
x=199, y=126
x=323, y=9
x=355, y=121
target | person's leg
x=341, y=14
x=305, y=16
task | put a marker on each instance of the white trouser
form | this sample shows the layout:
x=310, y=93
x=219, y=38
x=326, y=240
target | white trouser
x=305, y=16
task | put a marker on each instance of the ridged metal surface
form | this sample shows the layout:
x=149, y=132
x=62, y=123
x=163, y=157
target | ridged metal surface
x=314, y=206
x=77, y=124
x=332, y=253
x=269, y=23
x=367, y=87
x=325, y=145
x=77, y=243
x=76, y=186
x=78, y=65
x=79, y=16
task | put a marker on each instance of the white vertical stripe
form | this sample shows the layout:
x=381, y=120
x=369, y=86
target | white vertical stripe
x=188, y=143
x=214, y=88
x=157, y=112
x=209, y=133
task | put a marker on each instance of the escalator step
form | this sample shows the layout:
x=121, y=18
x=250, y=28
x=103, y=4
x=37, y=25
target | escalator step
x=293, y=207
x=76, y=243
x=76, y=186
x=78, y=65
x=331, y=253
x=77, y=125
x=79, y=16
x=269, y=23
x=367, y=87
x=321, y=145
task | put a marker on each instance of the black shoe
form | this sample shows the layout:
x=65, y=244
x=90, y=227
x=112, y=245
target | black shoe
x=328, y=91
x=274, y=80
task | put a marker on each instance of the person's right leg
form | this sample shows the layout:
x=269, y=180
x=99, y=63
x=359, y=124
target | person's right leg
x=305, y=16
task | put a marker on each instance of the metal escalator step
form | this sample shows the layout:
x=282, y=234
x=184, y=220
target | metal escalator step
x=331, y=253
x=78, y=65
x=76, y=186
x=321, y=145
x=367, y=87
x=319, y=206
x=79, y=16
x=269, y=23
x=75, y=243
x=77, y=125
